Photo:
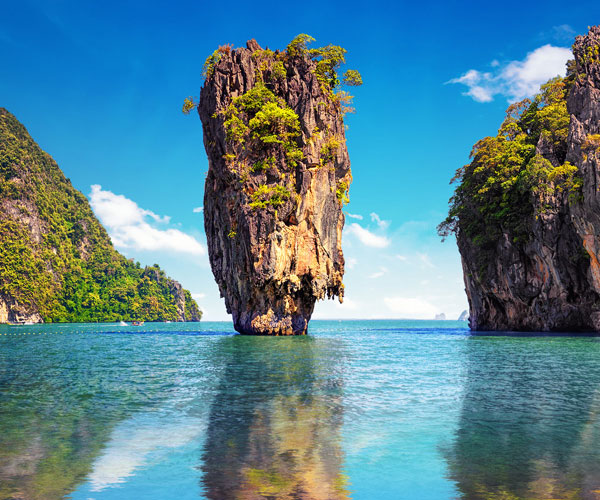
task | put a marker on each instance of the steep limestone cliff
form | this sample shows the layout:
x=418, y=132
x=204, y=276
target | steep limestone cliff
x=526, y=212
x=278, y=177
x=57, y=262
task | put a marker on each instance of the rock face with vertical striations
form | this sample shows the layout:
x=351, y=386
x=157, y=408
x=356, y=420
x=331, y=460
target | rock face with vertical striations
x=526, y=212
x=278, y=177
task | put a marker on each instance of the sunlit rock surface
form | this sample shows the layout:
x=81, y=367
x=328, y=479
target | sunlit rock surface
x=274, y=254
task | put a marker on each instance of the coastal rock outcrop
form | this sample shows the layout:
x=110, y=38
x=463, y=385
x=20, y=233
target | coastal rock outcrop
x=526, y=212
x=57, y=262
x=278, y=177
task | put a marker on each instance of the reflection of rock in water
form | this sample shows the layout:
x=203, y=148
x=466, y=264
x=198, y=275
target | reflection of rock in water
x=58, y=406
x=274, y=427
x=530, y=422
x=45, y=453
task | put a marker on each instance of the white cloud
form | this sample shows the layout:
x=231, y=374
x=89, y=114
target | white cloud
x=351, y=262
x=471, y=77
x=129, y=227
x=401, y=257
x=516, y=79
x=383, y=224
x=198, y=296
x=525, y=77
x=480, y=94
x=410, y=307
x=425, y=260
x=366, y=237
x=354, y=216
x=198, y=210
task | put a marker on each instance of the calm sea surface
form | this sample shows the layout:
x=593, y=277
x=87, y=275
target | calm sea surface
x=359, y=409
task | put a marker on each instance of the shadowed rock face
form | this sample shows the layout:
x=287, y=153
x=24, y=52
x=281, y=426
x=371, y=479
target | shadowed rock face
x=273, y=216
x=551, y=282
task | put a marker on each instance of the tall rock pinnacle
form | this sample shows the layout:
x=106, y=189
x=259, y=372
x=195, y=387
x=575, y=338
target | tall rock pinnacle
x=278, y=177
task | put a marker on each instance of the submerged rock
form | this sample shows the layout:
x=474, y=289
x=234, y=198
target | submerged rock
x=278, y=177
x=527, y=210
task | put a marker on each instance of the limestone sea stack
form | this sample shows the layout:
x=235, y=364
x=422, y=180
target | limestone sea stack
x=526, y=212
x=278, y=177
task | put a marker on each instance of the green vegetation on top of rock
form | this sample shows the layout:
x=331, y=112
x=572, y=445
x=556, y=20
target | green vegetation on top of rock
x=56, y=259
x=510, y=174
x=263, y=123
x=262, y=130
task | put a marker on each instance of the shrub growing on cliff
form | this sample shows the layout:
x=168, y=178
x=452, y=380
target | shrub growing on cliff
x=188, y=105
x=269, y=196
x=298, y=47
x=211, y=61
x=259, y=115
x=209, y=65
x=352, y=78
x=342, y=193
x=328, y=59
x=274, y=124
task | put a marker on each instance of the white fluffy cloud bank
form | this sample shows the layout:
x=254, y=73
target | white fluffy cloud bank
x=516, y=80
x=366, y=237
x=129, y=225
x=410, y=307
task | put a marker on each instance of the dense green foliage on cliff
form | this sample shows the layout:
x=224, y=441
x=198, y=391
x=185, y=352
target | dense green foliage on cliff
x=261, y=122
x=512, y=173
x=56, y=259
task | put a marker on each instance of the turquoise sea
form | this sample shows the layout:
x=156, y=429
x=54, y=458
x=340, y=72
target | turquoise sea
x=359, y=409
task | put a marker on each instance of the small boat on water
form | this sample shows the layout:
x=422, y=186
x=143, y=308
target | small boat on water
x=137, y=323
x=122, y=323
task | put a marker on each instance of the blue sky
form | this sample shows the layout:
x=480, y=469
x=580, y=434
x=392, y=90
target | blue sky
x=100, y=85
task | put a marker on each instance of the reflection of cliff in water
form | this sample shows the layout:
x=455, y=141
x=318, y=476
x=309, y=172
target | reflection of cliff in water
x=530, y=422
x=274, y=428
x=58, y=406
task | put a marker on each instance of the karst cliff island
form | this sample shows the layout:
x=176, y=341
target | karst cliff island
x=57, y=262
x=278, y=178
x=526, y=211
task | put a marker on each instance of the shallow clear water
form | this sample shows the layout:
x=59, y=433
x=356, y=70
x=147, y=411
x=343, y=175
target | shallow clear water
x=359, y=409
